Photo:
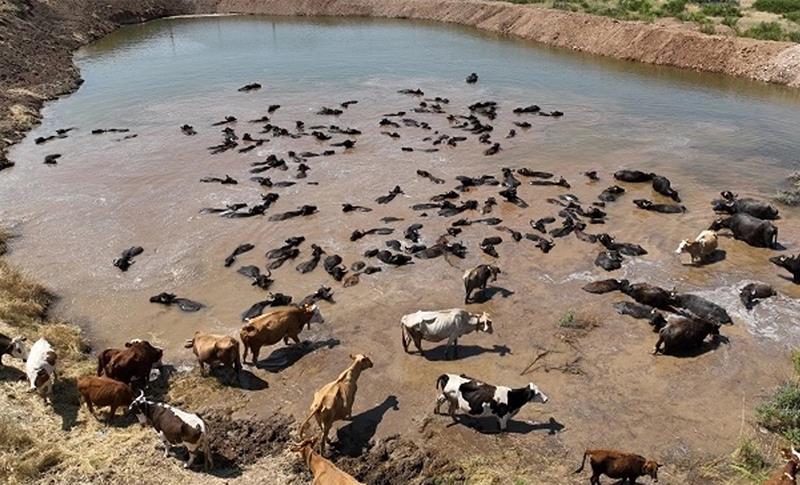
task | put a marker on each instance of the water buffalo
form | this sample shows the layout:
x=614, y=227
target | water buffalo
x=755, y=232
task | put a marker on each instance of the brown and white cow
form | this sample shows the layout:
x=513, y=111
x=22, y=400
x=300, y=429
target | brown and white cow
x=41, y=369
x=788, y=474
x=282, y=323
x=325, y=472
x=334, y=401
x=174, y=427
x=134, y=362
x=617, y=464
x=215, y=351
x=103, y=391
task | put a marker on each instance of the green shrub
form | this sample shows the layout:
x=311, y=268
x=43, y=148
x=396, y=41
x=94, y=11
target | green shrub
x=749, y=461
x=777, y=6
x=794, y=36
x=792, y=16
x=765, y=31
x=672, y=8
x=781, y=413
x=730, y=22
x=640, y=6
x=708, y=28
x=721, y=9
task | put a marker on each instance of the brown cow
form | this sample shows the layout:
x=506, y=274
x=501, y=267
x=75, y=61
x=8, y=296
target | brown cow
x=134, y=362
x=103, y=391
x=325, y=472
x=334, y=401
x=788, y=474
x=215, y=350
x=281, y=323
x=616, y=464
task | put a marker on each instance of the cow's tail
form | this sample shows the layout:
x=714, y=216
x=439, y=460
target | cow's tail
x=404, y=337
x=100, y=364
x=303, y=426
x=580, y=469
x=441, y=382
x=209, y=457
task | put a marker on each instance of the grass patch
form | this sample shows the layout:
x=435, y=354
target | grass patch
x=777, y=6
x=765, y=31
x=781, y=413
x=22, y=302
x=790, y=196
x=672, y=8
x=749, y=461
x=721, y=9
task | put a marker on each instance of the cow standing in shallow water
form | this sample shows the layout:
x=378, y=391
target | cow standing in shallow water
x=479, y=399
x=436, y=326
x=174, y=427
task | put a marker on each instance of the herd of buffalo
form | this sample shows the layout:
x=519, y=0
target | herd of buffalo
x=683, y=321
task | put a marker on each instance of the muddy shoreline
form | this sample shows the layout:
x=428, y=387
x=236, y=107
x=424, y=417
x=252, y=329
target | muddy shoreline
x=38, y=40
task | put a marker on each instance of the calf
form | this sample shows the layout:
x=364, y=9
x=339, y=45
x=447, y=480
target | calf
x=682, y=334
x=15, y=347
x=616, y=464
x=334, y=401
x=174, y=427
x=435, y=326
x=215, y=350
x=790, y=264
x=701, y=248
x=477, y=277
x=325, y=472
x=102, y=391
x=279, y=324
x=479, y=399
x=788, y=474
x=753, y=231
x=134, y=362
x=41, y=369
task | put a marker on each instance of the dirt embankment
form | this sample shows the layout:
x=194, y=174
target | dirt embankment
x=37, y=39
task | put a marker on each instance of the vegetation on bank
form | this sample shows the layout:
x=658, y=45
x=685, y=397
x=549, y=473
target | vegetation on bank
x=764, y=19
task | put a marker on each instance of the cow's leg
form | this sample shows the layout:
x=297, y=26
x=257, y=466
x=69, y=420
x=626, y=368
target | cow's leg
x=202, y=368
x=112, y=413
x=165, y=443
x=439, y=401
x=659, y=343
x=90, y=407
x=244, y=354
x=192, y=456
x=503, y=422
x=286, y=340
x=255, y=351
x=296, y=339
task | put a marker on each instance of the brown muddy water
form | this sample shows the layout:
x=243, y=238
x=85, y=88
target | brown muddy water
x=706, y=133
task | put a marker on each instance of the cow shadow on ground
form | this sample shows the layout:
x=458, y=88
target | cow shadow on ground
x=223, y=466
x=66, y=401
x=439, y=353
x=159, y=388
x=705, y=347
x=717, y=256
x=11, y=374
x=284, y=357
x=485, y=295
x=488, y=425
x=246, y=381
x=355, y=437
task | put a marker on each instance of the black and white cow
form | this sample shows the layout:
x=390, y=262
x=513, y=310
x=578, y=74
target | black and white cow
x=15, y=347
x=479, y=399
x=174, y=427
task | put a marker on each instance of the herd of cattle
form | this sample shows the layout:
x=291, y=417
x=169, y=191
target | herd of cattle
x=682, y=320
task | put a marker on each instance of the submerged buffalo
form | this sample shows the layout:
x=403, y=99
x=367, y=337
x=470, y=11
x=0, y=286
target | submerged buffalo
x=753, y=231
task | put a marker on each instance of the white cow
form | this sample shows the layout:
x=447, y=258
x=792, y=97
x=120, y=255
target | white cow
x=479, y=399
x=435, y=326
x=41, y=368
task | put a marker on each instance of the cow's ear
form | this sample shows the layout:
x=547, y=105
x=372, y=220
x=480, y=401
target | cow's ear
x=127, y=344
x=23, y=339
x=352, y=356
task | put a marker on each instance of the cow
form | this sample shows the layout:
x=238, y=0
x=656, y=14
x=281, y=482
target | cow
x=325, y=472
x=663, y=186
x=103, y=391
x=682, y=334
x=174, y=427
x=215, y=350
x=701, y=248
x=435, y=326
x=700, y=308
x=751, y=294
x=133, y=363
x=15, y=347
x=617, y=464
x=477, y=277
x=41, y=369
x=731, y=204
x=282, y=323
x=479, y=399
x=334, y=401
x=788, y=474
x=790, y=264
x=648, y=294
x=633, y=176
x=753, y=231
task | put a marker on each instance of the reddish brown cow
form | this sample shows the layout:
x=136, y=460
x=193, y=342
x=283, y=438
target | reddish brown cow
x=282, y=323
x=134, y=362
x=788, y=474
x=102, y=391
x=616, y=464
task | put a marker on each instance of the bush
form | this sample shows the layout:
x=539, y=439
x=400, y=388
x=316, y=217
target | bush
x=781, y=413
x=749, y=461
x=794, y=36
x=672, y=8
x=730, y=22
x=777, y=6
x=722, y=9
x=765, y=31
x=640, y=6
x=708, y=28
x=792, y=16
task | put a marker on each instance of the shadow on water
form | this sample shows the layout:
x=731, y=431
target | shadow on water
x=284, y=357
x=465, y=352
x=704, y=348
x=717, y=256
x=354, y=437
